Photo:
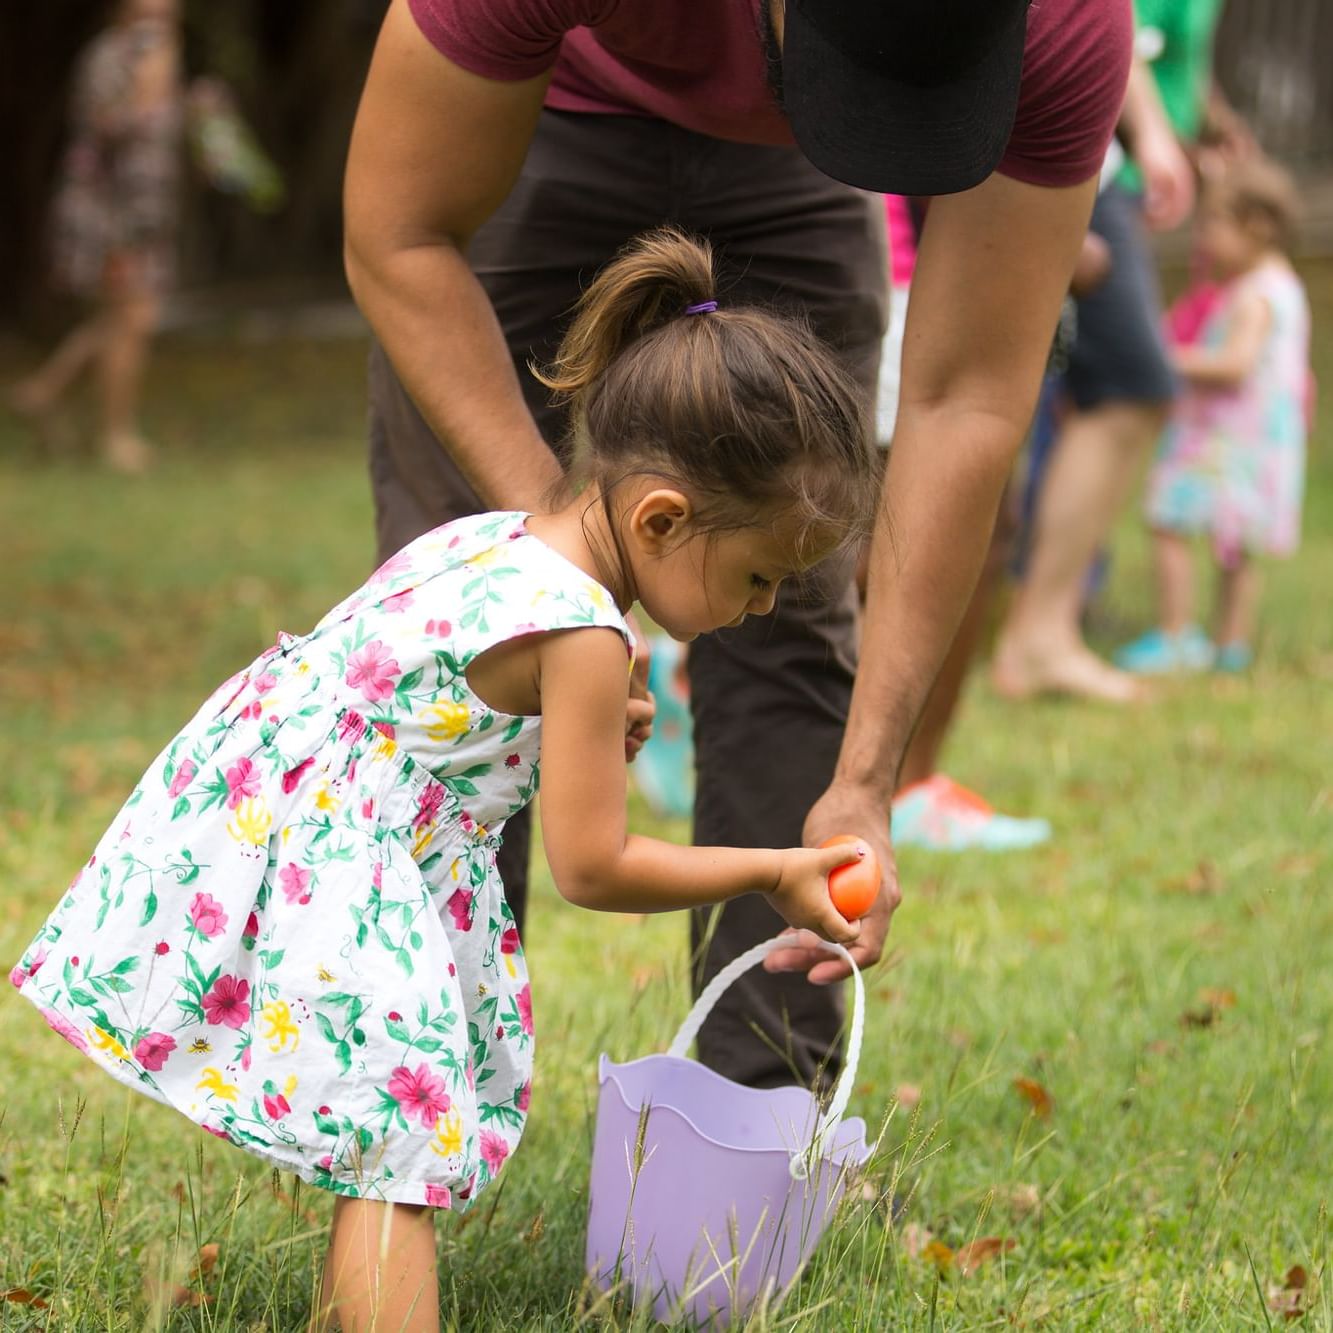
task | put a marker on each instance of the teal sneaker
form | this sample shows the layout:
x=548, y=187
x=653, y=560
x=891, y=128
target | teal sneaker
x=1158, y=653
x=1233, y=658
x=664, y=769
x=942, y=816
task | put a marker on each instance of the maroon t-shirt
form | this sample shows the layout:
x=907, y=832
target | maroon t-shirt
x=701, y=66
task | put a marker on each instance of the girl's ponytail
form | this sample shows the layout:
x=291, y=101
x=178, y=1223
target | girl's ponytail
x=654, y=280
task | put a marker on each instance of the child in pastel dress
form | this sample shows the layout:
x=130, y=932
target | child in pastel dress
x=1231, y=465
x=294, y=932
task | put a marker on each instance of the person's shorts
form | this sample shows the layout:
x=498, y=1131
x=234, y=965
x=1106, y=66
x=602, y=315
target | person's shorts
x=1120, y=354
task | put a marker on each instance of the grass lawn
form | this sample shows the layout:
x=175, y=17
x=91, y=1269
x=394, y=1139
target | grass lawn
x=1163, y=970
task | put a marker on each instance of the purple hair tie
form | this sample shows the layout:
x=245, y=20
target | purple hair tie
x=703, y=308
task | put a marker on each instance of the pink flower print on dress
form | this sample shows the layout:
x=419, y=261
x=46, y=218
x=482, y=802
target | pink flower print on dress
x=295, y=883
x=152, y=1050
x=386, y=729
x=20, y=974
x=494, y=1150
x=60, y=1024
x=440, y=627
x=513, y=760
x=276, y=1105
x=397, y=563
x=438, y=1196
x=428, y=806
x=183, y=777
x=399, y=601
x=292, y=777
x=263, y=684
x=509, y=940
x=460, y=908
x=242, y=782
x=524, y=1001
x=207, y=916
x=228, y=1002
x=351, y=725
x=372, y=670
x=420, y=1093
x=523, y=1099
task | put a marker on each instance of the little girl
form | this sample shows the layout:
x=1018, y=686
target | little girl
x=1232, y=462
x=294, y=932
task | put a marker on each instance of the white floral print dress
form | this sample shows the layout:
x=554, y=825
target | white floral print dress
x=294, y=931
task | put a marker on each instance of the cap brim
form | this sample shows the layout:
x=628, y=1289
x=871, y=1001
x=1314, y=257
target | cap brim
x=862, y=127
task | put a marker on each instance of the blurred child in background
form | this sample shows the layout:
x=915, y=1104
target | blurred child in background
x=1231, y=464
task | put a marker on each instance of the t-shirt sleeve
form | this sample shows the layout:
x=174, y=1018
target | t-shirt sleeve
x=504, y=39
x=1075, y=68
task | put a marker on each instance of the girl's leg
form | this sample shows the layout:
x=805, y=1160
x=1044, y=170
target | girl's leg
x=44, y=388
x=1175, y=580
x=131, y=320
x=1238, y=597
x=379, y=1274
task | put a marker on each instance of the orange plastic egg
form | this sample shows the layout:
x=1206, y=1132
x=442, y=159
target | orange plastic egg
x=854, y=887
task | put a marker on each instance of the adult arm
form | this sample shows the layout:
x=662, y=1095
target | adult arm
x=993, y=267
x=1168, y=178
x=435, y=150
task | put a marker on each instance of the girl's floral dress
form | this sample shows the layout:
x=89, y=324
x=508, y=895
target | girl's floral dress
x=1232, y=461
x=294, y=932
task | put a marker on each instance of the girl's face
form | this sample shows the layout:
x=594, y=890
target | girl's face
x=691, y=581
x=1226, y=240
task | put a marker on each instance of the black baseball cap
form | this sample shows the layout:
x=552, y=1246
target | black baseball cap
x=903, y=96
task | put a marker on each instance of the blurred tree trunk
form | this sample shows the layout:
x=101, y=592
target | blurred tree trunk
x=296, y=67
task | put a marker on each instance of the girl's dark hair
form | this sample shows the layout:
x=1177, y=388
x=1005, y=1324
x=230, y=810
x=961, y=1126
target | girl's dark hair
x=742, y=409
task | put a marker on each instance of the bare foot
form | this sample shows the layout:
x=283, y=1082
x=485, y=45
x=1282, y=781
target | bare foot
x=1077, y=671
x=127, y=452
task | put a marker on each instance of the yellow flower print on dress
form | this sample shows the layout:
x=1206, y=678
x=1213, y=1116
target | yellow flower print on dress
x=213, y=1082
x=280, y=1027
x=326, y=799
x=104, y=1041
x=448, y=1138
x=454, y=720
x=252, y=823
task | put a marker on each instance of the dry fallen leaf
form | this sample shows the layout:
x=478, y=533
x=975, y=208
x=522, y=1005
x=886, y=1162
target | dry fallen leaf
x=907, y=1095
x=971, y=1256
x=1288, y=1300
x=22, y=1296
x=206, y=1260
x=1198, y=1018
x=1216, y=998
x=1023, y=1200
x=938, y=1253
x=1035, y=1095
x=1203, y=880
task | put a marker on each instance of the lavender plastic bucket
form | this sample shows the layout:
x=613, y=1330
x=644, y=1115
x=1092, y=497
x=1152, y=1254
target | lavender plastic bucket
x=707, y=1197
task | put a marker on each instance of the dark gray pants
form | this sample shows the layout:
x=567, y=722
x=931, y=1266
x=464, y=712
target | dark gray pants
x=770, y=698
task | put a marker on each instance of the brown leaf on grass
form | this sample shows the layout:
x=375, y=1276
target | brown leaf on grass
x=971, y=1256
x=205, y=1261
x=938, y=1253
x=1160, y=1047
x=1288, y=1300
x=177, y=1191
x=908, y=1096
x=1213, y=1002
x=22, y=1296
x=1215, y=997
x=1204, y=880
x=1198, y=1018
x=1035, y=1095
x=1298, y=865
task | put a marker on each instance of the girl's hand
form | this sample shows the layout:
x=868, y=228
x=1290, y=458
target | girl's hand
x=801, y=894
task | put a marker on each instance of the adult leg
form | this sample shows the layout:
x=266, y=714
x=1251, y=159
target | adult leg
x=1121, y=385
x=379, y=1273
x=588, y=184
x=770, y=698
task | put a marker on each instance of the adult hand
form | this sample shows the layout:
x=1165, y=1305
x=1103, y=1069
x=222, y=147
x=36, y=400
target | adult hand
x=845, y=808
x=642, y=707
x=1168, y=180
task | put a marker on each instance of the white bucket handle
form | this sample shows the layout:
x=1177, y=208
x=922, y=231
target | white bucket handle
x=842, y=1094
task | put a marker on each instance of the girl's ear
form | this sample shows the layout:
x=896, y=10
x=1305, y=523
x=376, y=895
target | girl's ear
x=659, y=521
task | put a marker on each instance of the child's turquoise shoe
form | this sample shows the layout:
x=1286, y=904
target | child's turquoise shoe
x=1233, y=658
x=1158, y=653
